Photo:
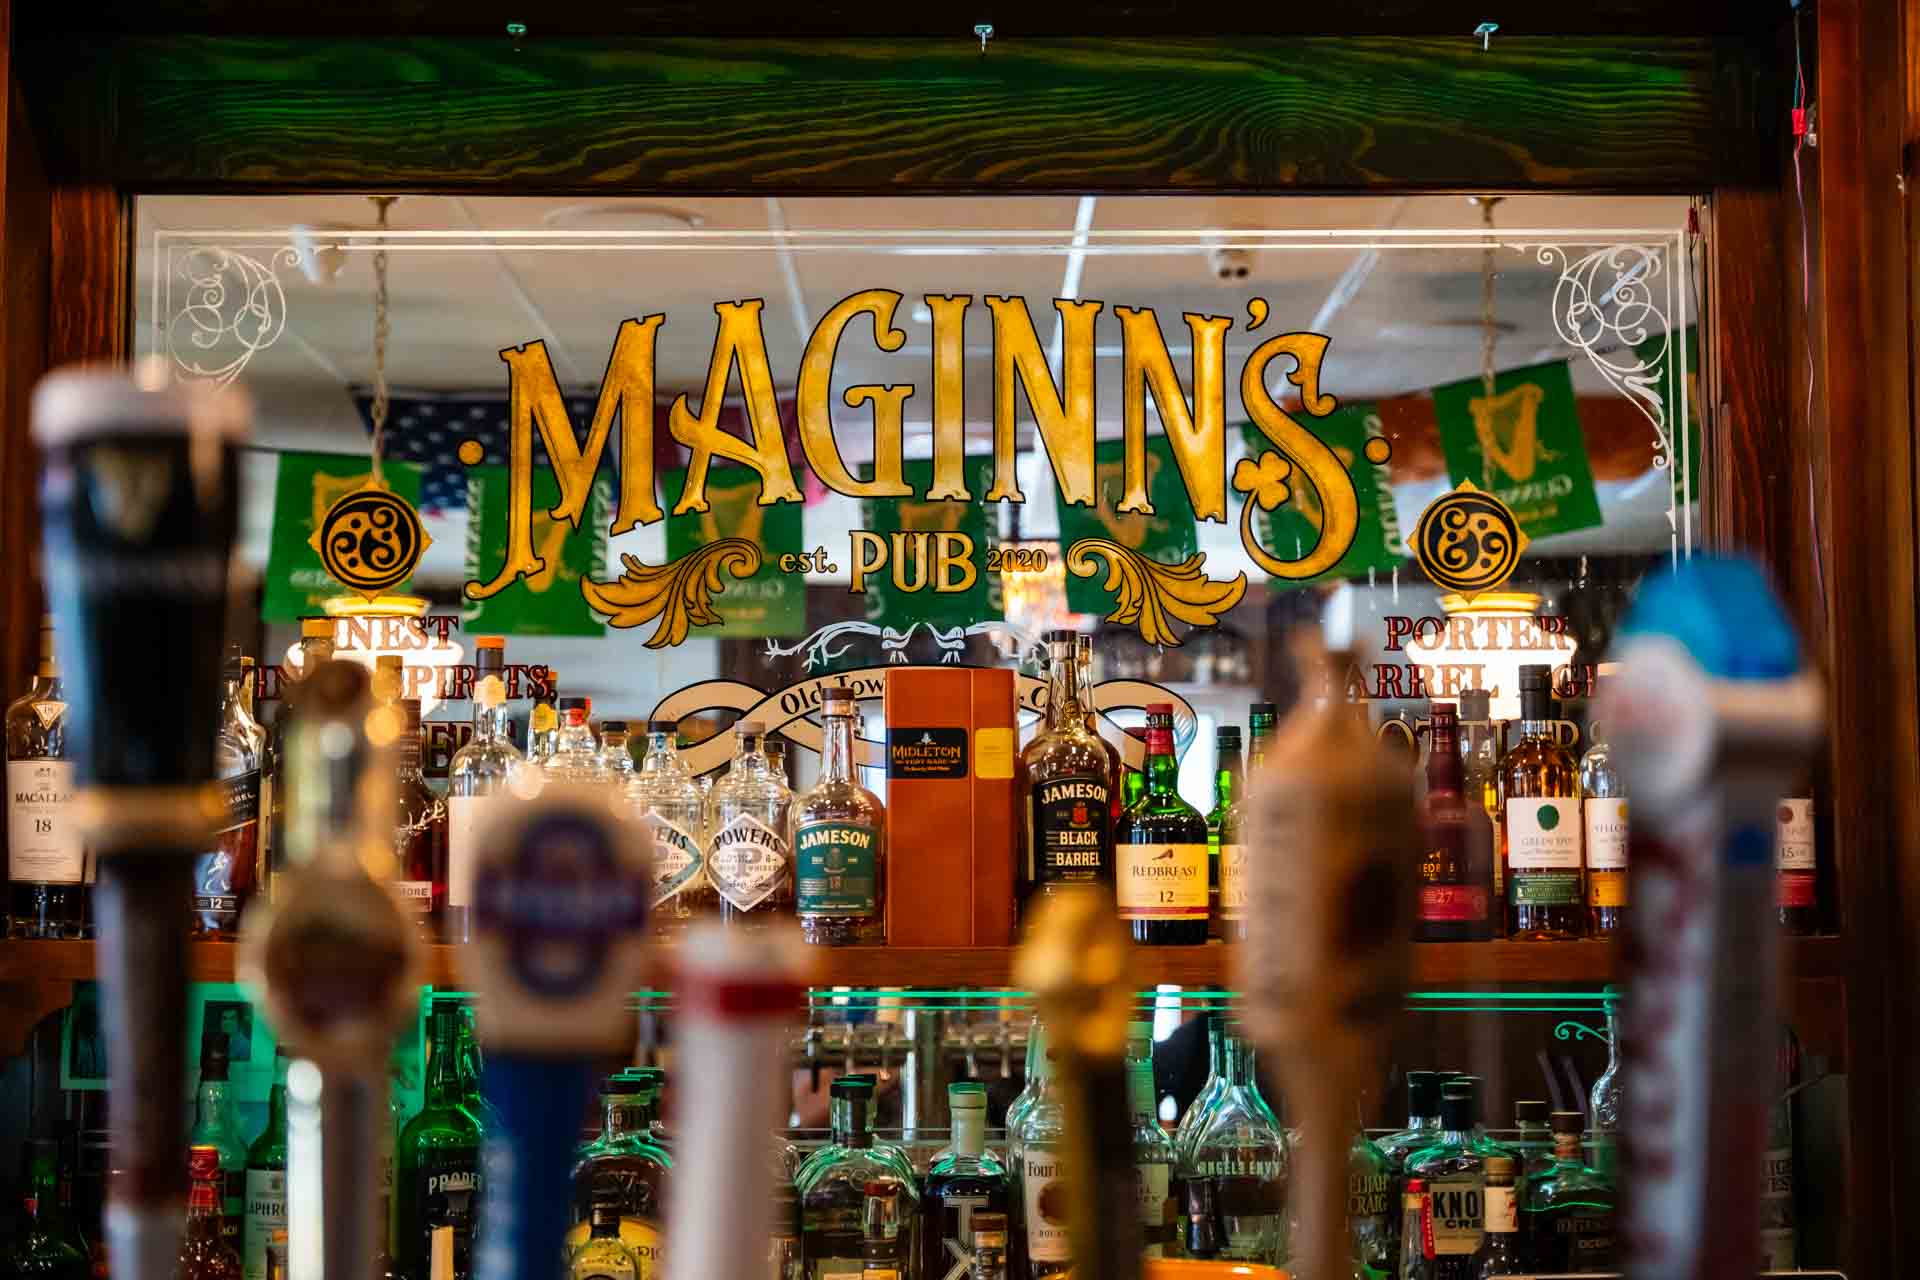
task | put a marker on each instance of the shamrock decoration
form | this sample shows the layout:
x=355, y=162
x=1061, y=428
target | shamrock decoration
x=1264, y=480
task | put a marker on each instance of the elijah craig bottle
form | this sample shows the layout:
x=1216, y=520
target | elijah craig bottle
x=1160, y=850
x=1069, y=790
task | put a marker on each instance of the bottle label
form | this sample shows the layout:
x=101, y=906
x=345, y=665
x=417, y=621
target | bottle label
x=1503, y=1215
x=748, y=861
x=223, y=877
x=676, y=857
x=414, y=895
x=463, y=823
x=1459, y=1215
x=1453, y=903
x=266, y=1213
x=1543, y=852
x=641, y=1237
x=446, y=1190
x=48, y=712
x=1793, y=832
x=544, y=719
x=1046, y=1203
x=1233, y=881
x=1150, y=1184
x=1070, y=825
x=1161, y=881
x=43, y=842
x=1606, y=834
x=836, y=869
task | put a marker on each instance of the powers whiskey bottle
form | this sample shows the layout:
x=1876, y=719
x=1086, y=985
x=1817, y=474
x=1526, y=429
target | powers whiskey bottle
x=1065, y=773
x=1540, y=831
x=751, y=859
x=48, y=891
x=839, y=841
x=1160, y=850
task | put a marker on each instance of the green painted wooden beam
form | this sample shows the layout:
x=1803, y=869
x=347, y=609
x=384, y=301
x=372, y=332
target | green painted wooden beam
x=900, y=116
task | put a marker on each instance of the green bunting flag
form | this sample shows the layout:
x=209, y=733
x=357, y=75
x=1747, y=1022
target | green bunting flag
x=770, y=603
x=982, y=601
x=308, y=484
x=1169, y=535
x=547, y=603
x=1524, y=444
x=1290, y=530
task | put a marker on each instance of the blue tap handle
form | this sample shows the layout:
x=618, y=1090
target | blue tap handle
x=527, y=1164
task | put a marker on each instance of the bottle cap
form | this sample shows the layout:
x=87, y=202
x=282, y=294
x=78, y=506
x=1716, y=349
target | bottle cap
x=1423, y=1093
x=1266, y=709
x=214, y=1056
x=749, y=728
x=852, y=1087
x=1536, y=675
x=1500, y=1166
x=621, y=1083
x=203, y=1163
x=568, y=704
x=968, y=1095
x=1062, y=636
x=316, y=628
x=663, y=726
x=1159, y=708
x=1569, y=1122
x=1227, y=735
x=483, y=643
x=837, y=700
x=1530, y=1111
x=613, y=726
x=1458, y=1109
x=1475, y=704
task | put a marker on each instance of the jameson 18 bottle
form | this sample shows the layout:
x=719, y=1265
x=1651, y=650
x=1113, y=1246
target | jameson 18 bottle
x=1456, y=855
x=1226, y=789
x=1540, y=834
x=1794, y=861
x=839, y=833
x=751, y=858
x=1069, y=789
x=48, y=890
x=1160, y=850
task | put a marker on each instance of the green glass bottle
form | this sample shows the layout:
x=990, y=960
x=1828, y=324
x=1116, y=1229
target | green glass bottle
x=1160, y=850
x=43, y=1249
x=1261, y=719
x=1423, y=1119
x=1569, y=1219
x=1133, y=782
x=625, y=1163
x=266, y=1210
x=473, y=1070
x=438, y=1180
x=604, y=1254
x=1455, y=1171
x=216, y=1125
x=1226, y=789
x=1373, y=1218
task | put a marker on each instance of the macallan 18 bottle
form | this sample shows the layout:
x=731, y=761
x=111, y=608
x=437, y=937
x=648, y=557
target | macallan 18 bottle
x=48, y=891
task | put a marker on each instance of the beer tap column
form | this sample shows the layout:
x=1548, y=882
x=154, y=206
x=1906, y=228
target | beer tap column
x=138, y=498
x=1713, y=716
x=560, y=892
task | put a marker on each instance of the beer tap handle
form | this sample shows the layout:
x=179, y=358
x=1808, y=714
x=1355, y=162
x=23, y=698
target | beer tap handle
x=138, y=500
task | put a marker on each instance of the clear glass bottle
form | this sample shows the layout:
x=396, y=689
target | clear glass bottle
x=216, y=1124
x=43, y=1248
x=480, y=770
x=438, y=1176
x=1241, y=1153
x=1533, y=1140
x=1423, y=1119
x=224, y=875
x=665, y=797
x=1023, y=1101
x=1066, y=774
x=783, y=1243
x=750, y=855
x=266, y=1210
x=1456, y=858
x=1606, y=1110
x=1040, y=1183
x=419, y=831
x=205, y=1251
x=543, y=722
x=833, y=1184
x=1454, y=1169
x=1226, y=789
x=1540, y=833
x=1500, y=1250
x=1603, y=807
x=604, y=1254
x=576, y=752
x=1083, y=694
x=962, y=1184
x=316, y=647
x=1210, y=1090
x=1154, y=1162
x=616, y=751
x=626, y=1165
x=1160, y=850
x=839, y=841
x=1569, y=1218
x=48, y=890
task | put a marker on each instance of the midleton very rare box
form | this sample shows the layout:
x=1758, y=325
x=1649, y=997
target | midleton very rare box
x=950, y=807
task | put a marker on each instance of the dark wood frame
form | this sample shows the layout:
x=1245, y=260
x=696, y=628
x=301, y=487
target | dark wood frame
x=91, y=119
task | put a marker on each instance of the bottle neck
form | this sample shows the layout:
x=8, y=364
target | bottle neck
x=203, y=1202
x=277, y=1108
x=663, y=754
x=1063, y=690
x=1259, y=736
x=1566, y=1148
x=1163, y=771
x=627, y=1113
x=969, y=1131
x=489, y=704
x=1444, y=773
x=749, y=754
x=614, y=744
x=1226, y=778
x=836, y=749
x=409, y=745
x=443, y=1066
x=852, y=1122
x=574, y=733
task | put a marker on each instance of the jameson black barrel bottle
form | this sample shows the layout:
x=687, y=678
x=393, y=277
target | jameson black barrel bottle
x=1069, y=790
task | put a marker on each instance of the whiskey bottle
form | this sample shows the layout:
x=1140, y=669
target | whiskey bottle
x=839, y=841
x=575, y=756
x=1262, y=717
x=1416, y=1231
x=836, y=1181
x=44, y=1248
x=46, y=868
x=626, y=1168
x=750, y=860
x=1603, y=807
x=205, y=1251
x=1569, y=1209
x=616, y=751
x=419, y=831
x=961, y=1185
x=1041, y=1185
x=1373, y=1222
x=989, y=1248
x=1480, y=770
x=266, y=1204
x=1533, y=1142
x=217, y=1125
x=1456, y=859
x=1540, y=832
x=1454, y=1170
x=664, y=797
x=1153, y=1159
x=1500, y=1251
x=1796, y=865
x=604, y=1254
x=1226, y=790
x=1160, y=850
x=478, y=772
x=438, y=1156
x=224, y=876
x=1069, y=790
x=316, y=647
x=1423, y=1119
x=543, y=722
x=1241, y=1153
x=1083, y=676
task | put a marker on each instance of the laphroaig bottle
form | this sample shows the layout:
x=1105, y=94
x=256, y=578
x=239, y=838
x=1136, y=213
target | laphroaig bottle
x=961, y=1185
x=1603, y=806
x=217, y=1125
x=266, y=1205
x=205, y=1251
x=47, y=871
x=1540, y=834
x=1456, y=856
x=750, y=857
x=478, y=772
x=1160, y=850
x=1226, y=789
x=666, y=799
x=1065, y=771
x=1154, y=1161
x=439, y=1176
x=43, y=1249
x=839, y=840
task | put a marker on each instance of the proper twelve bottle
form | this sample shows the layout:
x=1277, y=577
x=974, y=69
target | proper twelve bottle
x=839, y=840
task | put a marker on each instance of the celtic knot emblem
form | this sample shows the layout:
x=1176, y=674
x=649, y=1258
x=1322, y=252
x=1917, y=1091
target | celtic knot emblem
x=1468, y=541
x=370, y=540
